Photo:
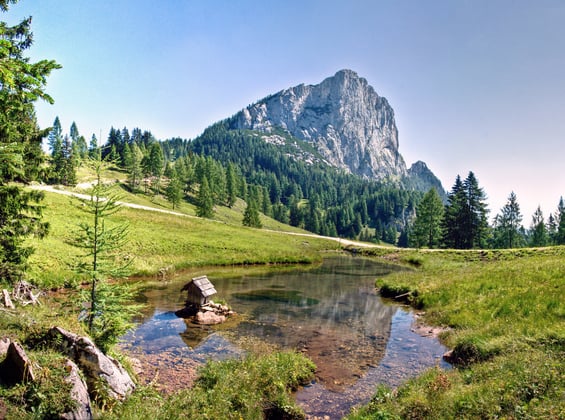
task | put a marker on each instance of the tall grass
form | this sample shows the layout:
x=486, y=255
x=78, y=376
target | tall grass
x=505, y=311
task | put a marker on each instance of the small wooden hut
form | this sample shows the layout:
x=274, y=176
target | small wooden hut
x=199, y=289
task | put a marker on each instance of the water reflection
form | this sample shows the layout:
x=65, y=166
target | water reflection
x=331, y=312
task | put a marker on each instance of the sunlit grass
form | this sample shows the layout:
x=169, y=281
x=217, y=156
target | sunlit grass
x=505, y=311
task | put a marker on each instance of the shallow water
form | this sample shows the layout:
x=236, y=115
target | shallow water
x=332, y=313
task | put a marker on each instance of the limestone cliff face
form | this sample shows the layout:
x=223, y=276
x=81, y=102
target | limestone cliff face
x=349, y=124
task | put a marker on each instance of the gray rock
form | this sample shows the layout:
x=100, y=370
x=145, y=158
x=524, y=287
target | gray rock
x=349, y=124
x=4, y=344
x=16, y=367
x=98, y=368
x=6, y=300
x=79, y=394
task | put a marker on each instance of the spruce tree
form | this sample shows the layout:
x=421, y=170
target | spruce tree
x=426, y=230
x=477, y=224
x=231, y=185
x=22, y=82
x=251, y=214
x=538, y=231
x=560, y=218
x=507, y=225
x=205, y=201
x=454, y=220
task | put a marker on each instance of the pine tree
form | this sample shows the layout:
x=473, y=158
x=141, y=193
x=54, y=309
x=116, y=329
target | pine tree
x=231, y=185
x=507, y=225
x=135, y=171
x=94, y=151
x=22, y=82
x=251, y=214
x=173, y=191
x=538, y=232
x=205, y=201
x=427, y=225
x=465, y=221
x=454, y=219
x=560, y=219
x=108, y=315
x=477, y=213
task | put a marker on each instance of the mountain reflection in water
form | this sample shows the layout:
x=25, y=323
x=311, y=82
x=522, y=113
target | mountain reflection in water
x=332, y=313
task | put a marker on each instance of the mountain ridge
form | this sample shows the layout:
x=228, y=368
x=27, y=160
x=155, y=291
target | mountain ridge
x=351, y=126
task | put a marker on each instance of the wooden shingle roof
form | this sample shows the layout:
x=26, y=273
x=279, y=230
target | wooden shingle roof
x=204, y=285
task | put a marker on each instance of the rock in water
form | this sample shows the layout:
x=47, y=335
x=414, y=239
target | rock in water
x=209, y=318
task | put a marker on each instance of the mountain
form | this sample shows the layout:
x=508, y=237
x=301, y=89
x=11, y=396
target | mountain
x=421, y=178
x=343, y=118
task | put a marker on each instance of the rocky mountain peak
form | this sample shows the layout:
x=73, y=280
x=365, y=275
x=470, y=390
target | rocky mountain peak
x=349, y=124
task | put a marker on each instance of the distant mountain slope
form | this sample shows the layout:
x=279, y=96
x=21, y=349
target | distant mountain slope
x=344, y=119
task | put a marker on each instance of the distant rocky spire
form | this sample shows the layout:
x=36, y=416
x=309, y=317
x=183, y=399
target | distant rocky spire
x=350, y=125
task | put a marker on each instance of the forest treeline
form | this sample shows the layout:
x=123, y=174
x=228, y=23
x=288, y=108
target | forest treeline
x=224, y=164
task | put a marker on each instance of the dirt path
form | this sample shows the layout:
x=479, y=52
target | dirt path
x=341, y=241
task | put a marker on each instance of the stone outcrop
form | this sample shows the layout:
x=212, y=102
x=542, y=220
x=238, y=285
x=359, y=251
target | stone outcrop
x=79, y=394
x=16, y=367
x=349, y=124
x=99, y=369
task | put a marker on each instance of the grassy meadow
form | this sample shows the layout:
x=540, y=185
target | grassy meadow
x=157, y=240
x=504, y=317
x=502, y=313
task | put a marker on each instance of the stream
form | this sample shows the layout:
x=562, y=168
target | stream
x=331, y=313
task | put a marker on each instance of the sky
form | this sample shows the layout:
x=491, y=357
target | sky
x=476, y=85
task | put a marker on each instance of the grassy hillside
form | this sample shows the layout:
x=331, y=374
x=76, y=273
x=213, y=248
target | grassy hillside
x=158, y=240
x=505, y=317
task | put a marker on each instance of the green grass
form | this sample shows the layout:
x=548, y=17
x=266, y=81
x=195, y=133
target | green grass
x=159, y=240
x=256, y=387
x=505, y=311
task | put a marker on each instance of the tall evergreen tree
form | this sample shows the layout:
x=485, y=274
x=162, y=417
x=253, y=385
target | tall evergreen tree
x=538, y=232
x=94, y=151
x=55, y=135
x=477, y=224
x=560, y=218
x=427, y=226
x=22, y=82
x=231, y=185
x=454, y=220
x=135, y=171
x=251, y=214
x=173, y=192
x=507, y=225
x=205, y=201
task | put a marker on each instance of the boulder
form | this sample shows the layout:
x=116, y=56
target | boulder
x=98, y=368
x=79, y=394
x=16, y=367
x=209, y=318
x=4, y=344
x=6, y=301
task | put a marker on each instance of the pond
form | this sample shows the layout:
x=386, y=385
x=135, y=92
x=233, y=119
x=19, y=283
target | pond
x=332, y=313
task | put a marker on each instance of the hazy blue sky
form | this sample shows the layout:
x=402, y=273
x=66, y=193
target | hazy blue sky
x=476, y=85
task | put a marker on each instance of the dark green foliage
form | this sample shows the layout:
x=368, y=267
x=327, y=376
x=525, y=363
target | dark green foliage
x=426, y=230
x=21, y=83
x=174, y=191
x=20, y=217
x=507, y=229
x=538, y=230
x=205, y=202
x=251, y=214
x=465, y=223
x=286, y=180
